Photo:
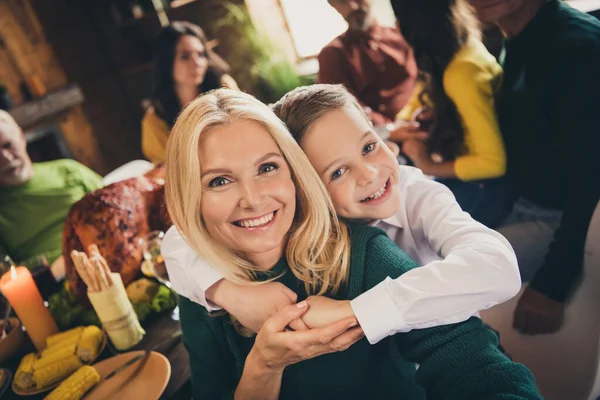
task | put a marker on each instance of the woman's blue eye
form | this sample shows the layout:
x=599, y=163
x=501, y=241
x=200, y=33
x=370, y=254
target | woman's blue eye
x=267, y=168
x=218, y=182
x=369, y=148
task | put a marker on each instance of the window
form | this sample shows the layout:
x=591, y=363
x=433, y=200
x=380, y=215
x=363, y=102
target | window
x=314, y=23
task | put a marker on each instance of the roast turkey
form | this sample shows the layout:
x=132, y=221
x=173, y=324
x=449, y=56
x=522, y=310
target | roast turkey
x=115, y=218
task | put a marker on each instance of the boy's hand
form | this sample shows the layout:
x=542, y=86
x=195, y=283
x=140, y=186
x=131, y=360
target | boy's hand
x=252, y=305
x=323, y=311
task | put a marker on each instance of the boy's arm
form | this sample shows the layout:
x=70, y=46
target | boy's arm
x=190, y=275
x=458, y=361
x=194, y=278
x=478, y=268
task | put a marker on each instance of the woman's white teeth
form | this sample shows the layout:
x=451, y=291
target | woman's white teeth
x=251, y=223
x=377, y=194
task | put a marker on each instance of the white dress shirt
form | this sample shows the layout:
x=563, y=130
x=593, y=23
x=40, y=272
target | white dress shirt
x=466, y=267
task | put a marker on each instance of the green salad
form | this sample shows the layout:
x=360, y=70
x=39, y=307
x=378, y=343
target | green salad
x=146, y=295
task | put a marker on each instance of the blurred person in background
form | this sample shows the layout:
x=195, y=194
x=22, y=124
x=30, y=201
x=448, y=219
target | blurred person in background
x=184, y=67
x=457, y=139
x=35, y=197
x=549, y=116
x=373, y=62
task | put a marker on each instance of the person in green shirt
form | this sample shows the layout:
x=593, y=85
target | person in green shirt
x=549, y=117
x=35, y=197
x=247, y=200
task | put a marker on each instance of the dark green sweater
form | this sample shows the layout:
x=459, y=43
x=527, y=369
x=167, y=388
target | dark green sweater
x=549, y=114
x=459, y=361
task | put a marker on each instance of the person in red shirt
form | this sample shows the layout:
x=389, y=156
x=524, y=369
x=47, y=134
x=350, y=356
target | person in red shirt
x=373, y=62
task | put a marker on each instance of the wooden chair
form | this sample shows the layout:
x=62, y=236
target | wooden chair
x=565, y=364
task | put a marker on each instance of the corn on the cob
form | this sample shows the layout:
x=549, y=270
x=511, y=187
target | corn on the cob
x=89, y=343
x=51, y=355
x=58, y=348
x=72, y=336
x=77, y=385
x=56, y=371
x=24, y=374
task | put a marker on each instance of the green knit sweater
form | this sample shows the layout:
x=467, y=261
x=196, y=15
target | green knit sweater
x=459, y=361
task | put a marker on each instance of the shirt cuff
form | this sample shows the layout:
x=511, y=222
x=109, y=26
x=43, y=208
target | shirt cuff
x=377, y=313
x=209, y=278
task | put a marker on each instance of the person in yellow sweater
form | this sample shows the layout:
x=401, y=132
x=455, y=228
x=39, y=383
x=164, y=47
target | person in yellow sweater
x=184, y=67
x=449, y=127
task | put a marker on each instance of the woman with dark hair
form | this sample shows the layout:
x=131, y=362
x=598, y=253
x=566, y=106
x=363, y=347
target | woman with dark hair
x=184, y=67
x=452, y=131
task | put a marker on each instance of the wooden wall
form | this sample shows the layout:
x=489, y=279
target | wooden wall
x=27, y=58
x=74, y=30
x=80, y=42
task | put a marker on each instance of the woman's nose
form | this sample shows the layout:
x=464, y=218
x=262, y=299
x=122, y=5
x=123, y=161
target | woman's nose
x=251, y=197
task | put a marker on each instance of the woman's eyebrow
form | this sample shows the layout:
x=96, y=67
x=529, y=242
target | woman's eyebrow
x=267, y=156
x=216, y=171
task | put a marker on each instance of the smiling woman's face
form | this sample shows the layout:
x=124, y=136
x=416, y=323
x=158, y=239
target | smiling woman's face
x=248, y=195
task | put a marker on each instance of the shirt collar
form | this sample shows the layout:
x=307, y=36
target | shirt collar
x=371, y=33
x=394, y=220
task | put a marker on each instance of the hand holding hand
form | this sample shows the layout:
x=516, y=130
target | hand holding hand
x=323, y=311
x=252, y=305
x=275, y=348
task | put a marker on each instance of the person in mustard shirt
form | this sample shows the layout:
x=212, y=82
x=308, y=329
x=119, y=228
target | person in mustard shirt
x=184, y=67
x=449, y=128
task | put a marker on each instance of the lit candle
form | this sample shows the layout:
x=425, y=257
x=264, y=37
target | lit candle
x=20, y=290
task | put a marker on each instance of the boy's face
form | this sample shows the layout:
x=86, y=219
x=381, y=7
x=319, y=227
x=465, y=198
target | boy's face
x=358, y=169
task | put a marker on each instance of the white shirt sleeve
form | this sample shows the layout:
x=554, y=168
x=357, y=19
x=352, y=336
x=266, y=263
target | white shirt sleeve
x=477, y=270
x=189, y=274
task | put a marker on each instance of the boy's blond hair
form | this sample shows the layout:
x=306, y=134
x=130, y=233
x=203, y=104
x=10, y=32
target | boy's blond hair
x=303, y=106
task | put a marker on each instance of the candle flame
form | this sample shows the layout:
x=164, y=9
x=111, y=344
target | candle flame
x=13, y=273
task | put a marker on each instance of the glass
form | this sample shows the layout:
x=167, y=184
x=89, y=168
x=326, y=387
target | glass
x=5, y=265
x=153, y=258
x=42, y=275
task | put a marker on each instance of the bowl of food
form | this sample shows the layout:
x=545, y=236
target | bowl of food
x=12, y=342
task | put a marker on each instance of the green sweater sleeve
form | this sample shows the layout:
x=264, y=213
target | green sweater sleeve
x=212, y=363
x=89, y=179
x=459, y=361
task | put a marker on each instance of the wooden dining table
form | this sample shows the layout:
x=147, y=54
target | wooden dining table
x=161, y=336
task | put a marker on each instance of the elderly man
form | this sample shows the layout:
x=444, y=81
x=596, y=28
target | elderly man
x=373, y=62
x=549, y=113
x=35, y=198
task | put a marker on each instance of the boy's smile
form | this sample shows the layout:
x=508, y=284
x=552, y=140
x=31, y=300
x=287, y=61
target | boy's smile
x=358, y=169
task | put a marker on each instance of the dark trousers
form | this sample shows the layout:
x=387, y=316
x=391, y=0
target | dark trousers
x=489, y=201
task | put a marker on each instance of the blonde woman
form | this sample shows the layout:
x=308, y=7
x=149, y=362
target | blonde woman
x=246, y=199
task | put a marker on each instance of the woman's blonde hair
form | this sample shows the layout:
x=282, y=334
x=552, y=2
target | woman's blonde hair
x=318, y=249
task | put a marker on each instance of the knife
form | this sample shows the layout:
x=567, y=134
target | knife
x=126, y=364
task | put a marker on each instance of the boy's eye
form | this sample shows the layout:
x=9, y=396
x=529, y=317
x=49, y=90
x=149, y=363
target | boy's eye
x=369, y=147
x=337, y=173
x=267, y=168
x=220, y=181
